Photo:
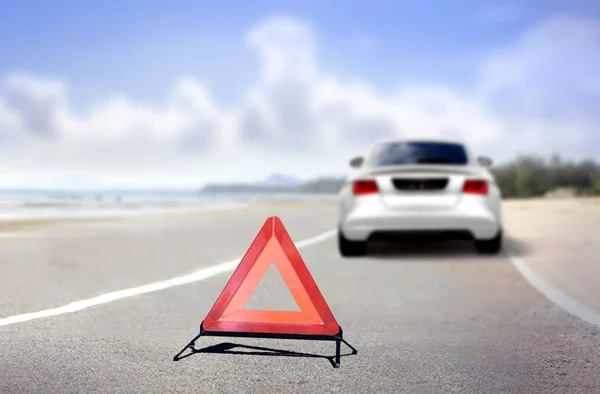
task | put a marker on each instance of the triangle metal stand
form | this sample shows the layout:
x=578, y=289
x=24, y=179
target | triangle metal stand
x=338, y=338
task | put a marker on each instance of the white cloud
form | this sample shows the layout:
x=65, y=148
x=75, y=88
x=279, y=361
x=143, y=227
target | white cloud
x=547, y=84
x=536, y=94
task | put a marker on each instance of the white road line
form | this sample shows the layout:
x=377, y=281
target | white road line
x=569, y=304
x=197, y=276
x=572, y=306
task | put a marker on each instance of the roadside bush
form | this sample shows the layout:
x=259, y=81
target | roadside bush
x=531, y=176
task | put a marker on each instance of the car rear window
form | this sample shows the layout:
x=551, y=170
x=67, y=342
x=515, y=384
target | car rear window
x=399, y=153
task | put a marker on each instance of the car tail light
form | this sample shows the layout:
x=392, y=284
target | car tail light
x=365, y=186
x=475, y=186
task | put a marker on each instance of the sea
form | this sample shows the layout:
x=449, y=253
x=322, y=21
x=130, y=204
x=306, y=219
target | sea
x=67, y=203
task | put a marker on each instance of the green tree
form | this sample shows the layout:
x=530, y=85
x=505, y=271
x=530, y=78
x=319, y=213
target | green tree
x=529, y=176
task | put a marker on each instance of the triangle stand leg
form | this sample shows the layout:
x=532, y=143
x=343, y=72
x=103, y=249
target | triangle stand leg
x=188, y=346
x=338, y=339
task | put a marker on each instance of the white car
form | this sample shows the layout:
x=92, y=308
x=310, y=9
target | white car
x=419, y=187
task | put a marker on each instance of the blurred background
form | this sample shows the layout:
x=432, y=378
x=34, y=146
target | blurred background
x=137, y=104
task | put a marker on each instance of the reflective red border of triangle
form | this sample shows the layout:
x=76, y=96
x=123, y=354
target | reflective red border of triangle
x=272, y=227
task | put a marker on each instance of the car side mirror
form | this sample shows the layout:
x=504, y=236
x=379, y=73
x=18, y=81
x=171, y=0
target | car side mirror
x=484, y=161
x=356, y=162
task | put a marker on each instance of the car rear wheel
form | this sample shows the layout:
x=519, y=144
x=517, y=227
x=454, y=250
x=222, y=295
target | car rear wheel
x=489, y=246
x=349, y=248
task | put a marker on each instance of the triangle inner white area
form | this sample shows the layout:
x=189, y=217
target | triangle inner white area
x=272, y=294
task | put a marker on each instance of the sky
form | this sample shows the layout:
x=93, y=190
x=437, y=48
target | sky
x=174, y=94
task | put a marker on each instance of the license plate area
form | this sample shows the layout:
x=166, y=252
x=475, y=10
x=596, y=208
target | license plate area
x=415, y=184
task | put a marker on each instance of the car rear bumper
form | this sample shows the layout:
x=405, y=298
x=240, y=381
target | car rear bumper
x=470, y=219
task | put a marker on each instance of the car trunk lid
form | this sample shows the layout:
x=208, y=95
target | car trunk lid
x=417, y=187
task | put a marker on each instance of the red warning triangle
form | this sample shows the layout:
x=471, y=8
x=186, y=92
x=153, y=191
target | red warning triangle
x=272, y=245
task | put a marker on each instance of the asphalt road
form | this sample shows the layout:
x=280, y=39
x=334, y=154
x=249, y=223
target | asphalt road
x=424, y=318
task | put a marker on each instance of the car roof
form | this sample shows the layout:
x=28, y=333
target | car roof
x=421, y=139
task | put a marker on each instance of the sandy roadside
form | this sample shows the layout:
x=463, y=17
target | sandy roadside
x=560, y=240
x=33, y=222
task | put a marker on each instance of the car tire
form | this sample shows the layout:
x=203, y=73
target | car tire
x=489, y=246
x=349, y=248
